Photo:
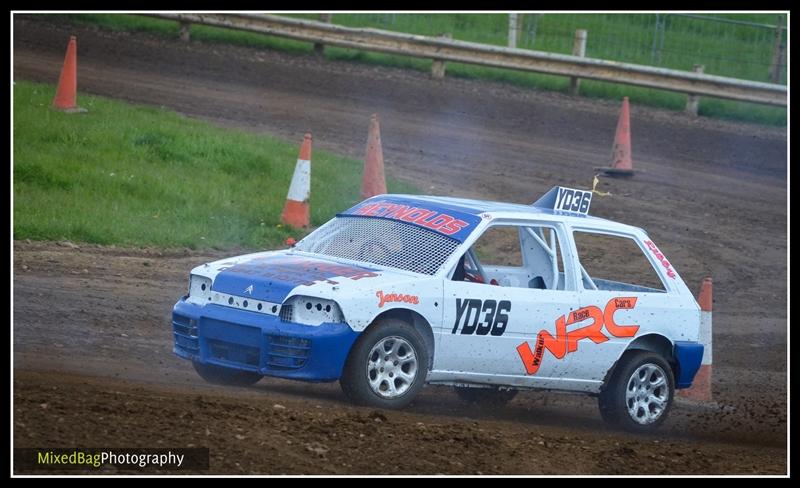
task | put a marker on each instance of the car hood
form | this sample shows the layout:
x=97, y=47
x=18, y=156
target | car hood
x=273, y=276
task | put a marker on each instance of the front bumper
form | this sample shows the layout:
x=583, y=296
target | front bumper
x=251, y=341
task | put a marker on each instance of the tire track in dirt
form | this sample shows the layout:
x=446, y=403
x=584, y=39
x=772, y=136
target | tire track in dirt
x=112, y=334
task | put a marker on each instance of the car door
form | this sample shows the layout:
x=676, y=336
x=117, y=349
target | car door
x=621, y=283
x=489, y=331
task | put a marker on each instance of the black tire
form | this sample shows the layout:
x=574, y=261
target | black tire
x=361, y=365
x=613, y=401
x=220, y=375
x=485, y=397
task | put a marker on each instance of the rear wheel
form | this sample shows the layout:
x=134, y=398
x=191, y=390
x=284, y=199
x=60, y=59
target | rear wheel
x=640, y=393
x=387, y=366
x=220, y=375
x=489, y=397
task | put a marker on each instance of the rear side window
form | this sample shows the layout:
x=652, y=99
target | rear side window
x=615, y=263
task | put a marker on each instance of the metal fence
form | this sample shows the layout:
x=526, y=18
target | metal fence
x=441, y=49
x=750, y=46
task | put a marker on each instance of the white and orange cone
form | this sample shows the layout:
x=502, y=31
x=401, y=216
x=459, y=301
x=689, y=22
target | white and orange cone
x=701, y=386
x=296, y=212
x=374, y=181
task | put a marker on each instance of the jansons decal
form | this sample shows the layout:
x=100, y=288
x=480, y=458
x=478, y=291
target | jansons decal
x=565, y=342
x=384, y=298
x=481, y=317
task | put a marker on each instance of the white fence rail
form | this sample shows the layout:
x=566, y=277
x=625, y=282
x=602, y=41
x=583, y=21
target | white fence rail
x=442, y=49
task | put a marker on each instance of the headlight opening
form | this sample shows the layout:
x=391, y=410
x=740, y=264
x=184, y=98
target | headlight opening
x=311, y=311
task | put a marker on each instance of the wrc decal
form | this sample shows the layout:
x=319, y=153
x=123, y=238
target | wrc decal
x=565, y=342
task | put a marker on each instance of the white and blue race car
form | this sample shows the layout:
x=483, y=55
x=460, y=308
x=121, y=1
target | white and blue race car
x=488, y=297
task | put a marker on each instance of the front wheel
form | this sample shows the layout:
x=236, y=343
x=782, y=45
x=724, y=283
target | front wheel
x=225, y=376
x=639, y=394
x=386, y=367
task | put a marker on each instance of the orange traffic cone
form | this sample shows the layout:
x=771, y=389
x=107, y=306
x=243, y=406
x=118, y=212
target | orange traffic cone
x=701, y=386
x=622, y=164
x=374, y=182
x=296, y=211
x=66, y=93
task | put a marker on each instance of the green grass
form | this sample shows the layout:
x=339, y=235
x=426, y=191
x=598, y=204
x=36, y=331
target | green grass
x=727, y=50
x=132, y=175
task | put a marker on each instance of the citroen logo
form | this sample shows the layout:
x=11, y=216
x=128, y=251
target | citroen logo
x=249, y=290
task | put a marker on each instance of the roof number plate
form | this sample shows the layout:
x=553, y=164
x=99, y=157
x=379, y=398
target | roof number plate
x=566, y=200
x=570, y=200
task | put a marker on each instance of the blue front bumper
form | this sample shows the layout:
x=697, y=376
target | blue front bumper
x=251, y=341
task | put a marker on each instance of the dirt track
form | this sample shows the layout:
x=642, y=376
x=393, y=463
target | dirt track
x=95, y=320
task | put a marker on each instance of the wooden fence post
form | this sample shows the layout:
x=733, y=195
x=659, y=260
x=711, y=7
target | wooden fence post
x=438, y=66
x=184, y=31
x=777, y=53
x=319, y=48
x=514, y=29
x=578, y=49
x=693, y=101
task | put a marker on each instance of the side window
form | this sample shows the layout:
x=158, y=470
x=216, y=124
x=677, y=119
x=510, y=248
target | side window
x=543, y=260
x=615, y=263
x=499, y=246
x=515, y=256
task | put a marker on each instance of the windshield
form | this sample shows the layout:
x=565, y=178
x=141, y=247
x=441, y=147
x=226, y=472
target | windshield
x=380, y=241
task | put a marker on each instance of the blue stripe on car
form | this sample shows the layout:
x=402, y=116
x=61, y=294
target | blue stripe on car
x=274, y=277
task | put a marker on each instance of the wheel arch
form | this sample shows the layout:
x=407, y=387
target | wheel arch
x=416, y=320
x=656, y=343
x=652, y=342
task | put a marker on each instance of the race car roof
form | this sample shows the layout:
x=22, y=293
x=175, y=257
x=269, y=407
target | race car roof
x=467, y=210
